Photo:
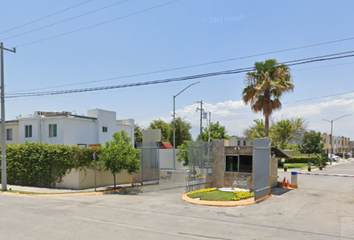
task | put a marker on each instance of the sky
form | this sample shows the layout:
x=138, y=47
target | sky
x=76, y=44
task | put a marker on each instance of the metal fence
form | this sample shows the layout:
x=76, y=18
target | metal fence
x=200, y=165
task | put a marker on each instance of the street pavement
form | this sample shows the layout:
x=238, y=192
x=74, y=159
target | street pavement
x=321, y=208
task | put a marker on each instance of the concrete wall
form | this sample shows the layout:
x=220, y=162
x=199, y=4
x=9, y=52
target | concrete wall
x=166, y=160
x=104, y=119
x=86, y=179
x=15, y=133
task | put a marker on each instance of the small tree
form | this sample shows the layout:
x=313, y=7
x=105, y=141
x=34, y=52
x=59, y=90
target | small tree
x=217, y=131
x=312, y=142
x=119, y=155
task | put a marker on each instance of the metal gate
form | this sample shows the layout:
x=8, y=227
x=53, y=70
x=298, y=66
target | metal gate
x=261, y=165
x=149, y=161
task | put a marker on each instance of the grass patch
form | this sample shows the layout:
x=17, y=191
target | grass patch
x=295, y=165
x=213, y=196
x=217, y=195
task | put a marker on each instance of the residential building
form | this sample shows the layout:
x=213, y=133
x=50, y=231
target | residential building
x=67, y=128
x=239, y=141
x=340, y=143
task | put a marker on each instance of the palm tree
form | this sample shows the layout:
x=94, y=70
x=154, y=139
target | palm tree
x=265, y=86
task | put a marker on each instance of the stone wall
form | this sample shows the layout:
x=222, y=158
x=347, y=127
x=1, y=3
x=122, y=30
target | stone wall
x=238, y=180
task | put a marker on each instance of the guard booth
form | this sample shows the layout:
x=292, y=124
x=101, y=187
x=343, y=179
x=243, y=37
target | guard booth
x=247, y=167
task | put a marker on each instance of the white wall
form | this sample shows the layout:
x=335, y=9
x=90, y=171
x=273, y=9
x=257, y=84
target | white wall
x=127, y=126
x=166, y=159
x=79, y=131
x=36, y=130
x=104, y=119
x=14, y=127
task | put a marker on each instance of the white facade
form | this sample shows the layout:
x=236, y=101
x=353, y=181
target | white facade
x=66, y=128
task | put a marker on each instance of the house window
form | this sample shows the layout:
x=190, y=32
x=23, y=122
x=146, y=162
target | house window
x=104, y=129
x=238, y=142
x=9, y=134
x=231, y=163
x=52, y=130
x=28, y=131
x=244, y=143
x=242, y=164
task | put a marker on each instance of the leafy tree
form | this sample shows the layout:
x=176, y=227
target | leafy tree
x=280, y=133
x=312, y=142
x=182, y=131
x=255, y=131
x=182, y=153
x=265, y=86
x=138, y=135
x=285, y=130
x=216, y=132
x=165, y=129
x=119, y=155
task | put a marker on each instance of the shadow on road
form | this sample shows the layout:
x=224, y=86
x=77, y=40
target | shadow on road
x=280, y=190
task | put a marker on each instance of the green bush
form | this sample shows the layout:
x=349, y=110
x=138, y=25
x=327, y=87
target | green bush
x=41, y=164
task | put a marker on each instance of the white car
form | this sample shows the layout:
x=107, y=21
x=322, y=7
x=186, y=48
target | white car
x=334, y=157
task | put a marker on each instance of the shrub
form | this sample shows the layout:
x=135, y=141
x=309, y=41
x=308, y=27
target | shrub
x=202, y=190
x=42, y=164
x=242, y=195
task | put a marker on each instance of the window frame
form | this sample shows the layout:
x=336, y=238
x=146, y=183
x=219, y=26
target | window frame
x=238, y=163
x=53, y=130
x=7, y=134
x=28, y=131
x=104, y=128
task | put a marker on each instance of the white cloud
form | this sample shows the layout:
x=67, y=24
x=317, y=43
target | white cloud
x=236, y=116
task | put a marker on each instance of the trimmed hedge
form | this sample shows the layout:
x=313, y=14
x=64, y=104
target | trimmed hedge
x=299, y=160
x=41, y=164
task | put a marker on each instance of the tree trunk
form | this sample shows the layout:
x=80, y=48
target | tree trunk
x=114, y=180
x=266, y=125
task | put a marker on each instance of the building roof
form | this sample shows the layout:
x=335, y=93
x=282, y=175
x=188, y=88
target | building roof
x=280, y=153
x=165, y=145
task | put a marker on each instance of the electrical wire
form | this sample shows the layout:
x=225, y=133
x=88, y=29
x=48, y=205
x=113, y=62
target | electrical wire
x=45, y=17
x=168, y=80
x=99, y=24
x=160, y=71
x=65, y=20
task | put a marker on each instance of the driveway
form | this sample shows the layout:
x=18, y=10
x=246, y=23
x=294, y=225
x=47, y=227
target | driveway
x=322, y=208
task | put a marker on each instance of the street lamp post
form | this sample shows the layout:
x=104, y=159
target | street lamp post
x=174, y=123
x=331, y=140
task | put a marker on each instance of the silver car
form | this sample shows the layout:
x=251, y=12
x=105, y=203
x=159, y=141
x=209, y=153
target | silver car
x=334, y=157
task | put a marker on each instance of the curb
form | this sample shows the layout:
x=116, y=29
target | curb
x=63, y=194
x=223, y=203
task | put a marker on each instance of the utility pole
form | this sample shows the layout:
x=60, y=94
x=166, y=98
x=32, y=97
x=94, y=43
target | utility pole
x=201, y=119
x=3, y=129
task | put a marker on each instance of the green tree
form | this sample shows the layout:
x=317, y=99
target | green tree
x=138, y=134
x=217, y=131
x=265, y=86
x=182, y=153
x=280, y=133
x=119, y=155
x=255, y=131
x=312, y=142
x=165, y=129
x=182, y=131
x=285, y=130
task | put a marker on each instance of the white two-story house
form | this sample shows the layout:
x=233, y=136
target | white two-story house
x=67, y=128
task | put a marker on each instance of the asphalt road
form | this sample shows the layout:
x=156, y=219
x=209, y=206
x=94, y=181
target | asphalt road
x=322, y=208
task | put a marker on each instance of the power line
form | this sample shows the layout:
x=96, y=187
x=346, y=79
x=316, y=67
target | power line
x=65, y=20
x=166, y=70
x=99, y=24
x=168, y=80
x=50, y=15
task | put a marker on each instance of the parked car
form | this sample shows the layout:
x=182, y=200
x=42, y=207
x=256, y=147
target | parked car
x=343, y=155
x=334, y=157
